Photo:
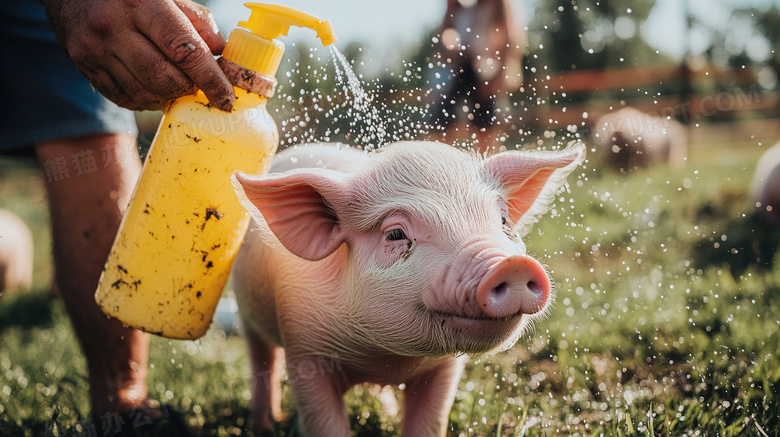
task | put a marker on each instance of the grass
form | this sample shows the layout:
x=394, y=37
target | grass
x=665, y=324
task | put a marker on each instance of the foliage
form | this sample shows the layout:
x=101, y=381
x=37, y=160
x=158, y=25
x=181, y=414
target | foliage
x=567, y=35
x=757, y=27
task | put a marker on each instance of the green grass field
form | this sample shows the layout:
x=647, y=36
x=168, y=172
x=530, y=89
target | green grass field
x=664, y=323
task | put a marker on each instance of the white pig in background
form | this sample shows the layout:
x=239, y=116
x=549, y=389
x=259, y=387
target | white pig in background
x=629, y=139
x=16, y=253
x=765, y=186
x=387, y=269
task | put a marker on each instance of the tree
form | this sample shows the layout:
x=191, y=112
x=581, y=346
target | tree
x=585, y=34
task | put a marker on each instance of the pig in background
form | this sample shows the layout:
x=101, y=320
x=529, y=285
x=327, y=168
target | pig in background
x=628, y=139
x=753, y=239
x=16, y=253
x=765, y=187
x=390, y=266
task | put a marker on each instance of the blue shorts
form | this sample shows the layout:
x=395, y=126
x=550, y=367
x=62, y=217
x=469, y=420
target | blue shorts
x=458, y=84
x=44, y=97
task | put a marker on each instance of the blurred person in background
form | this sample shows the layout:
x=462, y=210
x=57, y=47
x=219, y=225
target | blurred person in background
x=481, y=45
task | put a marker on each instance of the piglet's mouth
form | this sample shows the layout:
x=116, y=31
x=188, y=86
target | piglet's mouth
x=480, y=333
x=479, y=317
x=496, y=328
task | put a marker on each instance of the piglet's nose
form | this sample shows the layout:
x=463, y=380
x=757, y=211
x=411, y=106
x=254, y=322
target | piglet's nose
x=517, y=284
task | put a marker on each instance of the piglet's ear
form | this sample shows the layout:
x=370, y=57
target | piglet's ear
x=296, y=207
x=530, y=180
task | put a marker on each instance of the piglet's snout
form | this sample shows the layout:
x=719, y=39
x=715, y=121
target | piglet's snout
x=517, y=284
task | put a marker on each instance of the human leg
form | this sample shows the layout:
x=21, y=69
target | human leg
x=89, y=181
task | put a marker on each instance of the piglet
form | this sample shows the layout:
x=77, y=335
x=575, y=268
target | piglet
x=387, y=268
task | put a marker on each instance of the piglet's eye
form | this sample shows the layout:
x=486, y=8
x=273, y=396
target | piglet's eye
x=396, y=234
x=503, y=220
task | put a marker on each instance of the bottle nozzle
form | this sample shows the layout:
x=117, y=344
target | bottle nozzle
x=254, y=46
x=271, y=21
x=325, y=33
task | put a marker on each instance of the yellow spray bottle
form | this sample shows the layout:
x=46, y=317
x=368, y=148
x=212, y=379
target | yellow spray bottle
x=182, y=230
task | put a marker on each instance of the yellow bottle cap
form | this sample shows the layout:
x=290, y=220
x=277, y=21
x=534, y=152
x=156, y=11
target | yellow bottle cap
x=256, y=47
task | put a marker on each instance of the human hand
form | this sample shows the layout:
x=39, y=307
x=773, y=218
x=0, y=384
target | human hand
x=141, y=53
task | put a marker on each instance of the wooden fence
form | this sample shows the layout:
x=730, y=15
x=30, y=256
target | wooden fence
x=687, y=95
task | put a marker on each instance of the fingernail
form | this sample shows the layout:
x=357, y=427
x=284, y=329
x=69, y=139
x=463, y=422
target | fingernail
x=226, y=104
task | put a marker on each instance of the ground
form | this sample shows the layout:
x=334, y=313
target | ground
x=666, y=322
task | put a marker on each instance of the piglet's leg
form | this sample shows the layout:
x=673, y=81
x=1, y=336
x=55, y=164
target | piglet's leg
x=319, y=396
x=267, y=364
x=428, y=399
